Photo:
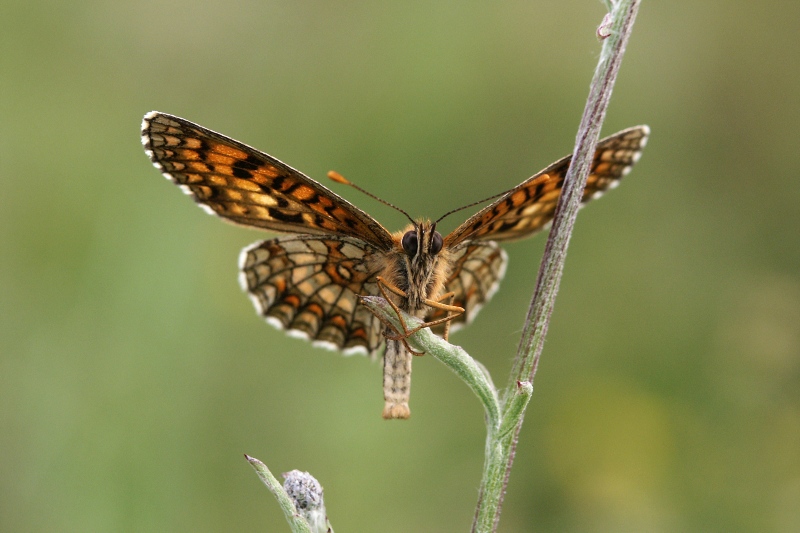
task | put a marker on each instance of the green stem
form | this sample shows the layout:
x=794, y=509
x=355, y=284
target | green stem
x=501, y=448
x=515, y=408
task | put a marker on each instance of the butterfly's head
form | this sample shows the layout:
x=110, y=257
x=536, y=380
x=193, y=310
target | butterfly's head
x=421, y=240
x=424, y=263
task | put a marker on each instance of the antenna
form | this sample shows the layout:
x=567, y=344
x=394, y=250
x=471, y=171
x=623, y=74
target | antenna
x=338, y=178
x=457, y=209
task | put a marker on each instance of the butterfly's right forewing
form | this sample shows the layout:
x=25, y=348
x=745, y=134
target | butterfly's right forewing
x=529, y=207
x=478, y=263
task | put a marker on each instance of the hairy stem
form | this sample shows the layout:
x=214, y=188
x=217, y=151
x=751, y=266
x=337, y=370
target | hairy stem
x=501, y=447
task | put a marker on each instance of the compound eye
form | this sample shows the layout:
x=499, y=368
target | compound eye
x=436, y=243
x=410, y=243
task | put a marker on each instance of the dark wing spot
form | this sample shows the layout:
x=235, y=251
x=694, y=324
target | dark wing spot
x=319, y=221
x=241, y=173
x=505, y=226
x=251, y=163
x=243, y=167
x=277, y=214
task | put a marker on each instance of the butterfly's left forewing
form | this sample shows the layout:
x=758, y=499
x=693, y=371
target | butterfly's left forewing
x=246, y=186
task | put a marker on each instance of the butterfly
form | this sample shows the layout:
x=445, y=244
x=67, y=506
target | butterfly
x=309, y=281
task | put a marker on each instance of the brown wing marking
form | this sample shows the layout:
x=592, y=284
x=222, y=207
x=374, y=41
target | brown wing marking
x=248, y=187
x=530, y=206
x=309, y=286
x=475, y=276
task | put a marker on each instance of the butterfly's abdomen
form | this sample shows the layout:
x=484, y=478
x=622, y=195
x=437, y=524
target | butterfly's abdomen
x=396, y=380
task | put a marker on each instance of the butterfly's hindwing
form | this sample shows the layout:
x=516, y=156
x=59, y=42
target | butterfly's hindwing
x=477, y=269
x=309, y=286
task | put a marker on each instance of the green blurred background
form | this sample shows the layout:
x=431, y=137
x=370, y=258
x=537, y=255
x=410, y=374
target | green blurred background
x=134, y=374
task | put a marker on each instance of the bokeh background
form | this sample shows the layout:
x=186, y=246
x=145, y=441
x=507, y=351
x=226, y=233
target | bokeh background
x=134, y=374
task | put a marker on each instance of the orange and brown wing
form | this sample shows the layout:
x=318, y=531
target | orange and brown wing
x=529, y=207
x=247, y=186
x=309, y=285
x=477, y=268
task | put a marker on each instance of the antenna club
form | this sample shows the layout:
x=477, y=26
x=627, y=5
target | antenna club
x=338, y=178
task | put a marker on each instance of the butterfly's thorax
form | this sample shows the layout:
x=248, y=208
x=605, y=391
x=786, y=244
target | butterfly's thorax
x=420, y=276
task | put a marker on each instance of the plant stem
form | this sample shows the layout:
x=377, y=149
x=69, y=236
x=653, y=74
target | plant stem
x=501, y=448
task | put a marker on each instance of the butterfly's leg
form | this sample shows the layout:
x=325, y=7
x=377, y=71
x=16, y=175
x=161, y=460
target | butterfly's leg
x=382, y=286
x=402, y=338
x=450, y=296
x=398, y=337
x=444, y=320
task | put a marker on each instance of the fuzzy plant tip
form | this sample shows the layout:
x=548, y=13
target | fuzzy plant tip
x=306, y=494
